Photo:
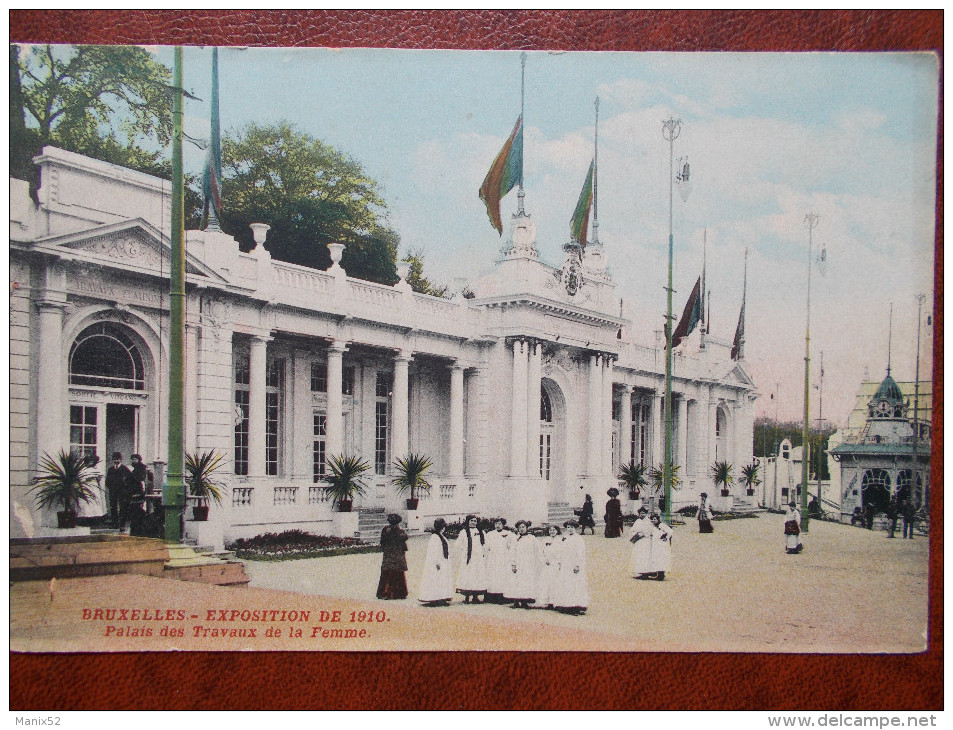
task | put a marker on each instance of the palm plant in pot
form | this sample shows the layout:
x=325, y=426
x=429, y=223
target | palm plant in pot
x=657, y=477
x=344, y=481
x=749, y=477
x=65, y=480
x=410, y=477
x=632, y=475
x=721, y=475
x=200, y=477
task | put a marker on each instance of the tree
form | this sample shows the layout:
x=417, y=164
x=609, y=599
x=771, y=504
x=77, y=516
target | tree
x=113, y=103
x=415, y=277
x=311, y=195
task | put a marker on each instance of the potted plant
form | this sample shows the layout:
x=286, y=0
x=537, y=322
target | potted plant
x=200, y=477
x=749, y=477
x=65, y=480
x=721, y=475
x=632, y=475
x=656, y=475
x=345, y=481
x=410, y=477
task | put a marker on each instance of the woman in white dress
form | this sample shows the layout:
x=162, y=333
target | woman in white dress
x=641, y=536
x=470, y=549
x=497, y=549
x=524, y=567
x=549, y=567
x=661, y=547
x=436, y=581
x=571, y=594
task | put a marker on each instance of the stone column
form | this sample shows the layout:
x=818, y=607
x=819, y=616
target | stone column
x=534, y=394
x=52, y=417
x=625, y=433
x=456, y=420
x=594, y=450
x=606, y=417
x=400, y=436
x=656, y=431
x=518, y=424
x=334, y=426
x=257, y=374
x=682, y=457
x=712, y=424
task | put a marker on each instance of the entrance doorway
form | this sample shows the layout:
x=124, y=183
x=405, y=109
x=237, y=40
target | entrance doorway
x=122, y=430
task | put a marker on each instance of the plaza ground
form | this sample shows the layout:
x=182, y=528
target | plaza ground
x=850, y=591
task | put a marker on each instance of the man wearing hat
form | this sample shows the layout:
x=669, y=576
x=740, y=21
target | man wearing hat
x=119, y=487
x=393, y=582
x=613, y=514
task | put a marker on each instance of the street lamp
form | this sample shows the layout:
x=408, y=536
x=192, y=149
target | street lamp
x=810, y=222
x=671, y=128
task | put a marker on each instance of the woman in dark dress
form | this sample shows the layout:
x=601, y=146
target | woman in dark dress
x=393, y=583
x=613, y=514
x=585, y=517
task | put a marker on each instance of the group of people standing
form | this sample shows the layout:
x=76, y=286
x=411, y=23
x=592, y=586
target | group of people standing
x=498, y=566
x=127, y=491
x=651, y=542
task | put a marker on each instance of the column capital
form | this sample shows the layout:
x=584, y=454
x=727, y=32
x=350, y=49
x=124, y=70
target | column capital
x=49, y=305
x=261, y=338
x=338, y=346
x=626, y=389
x=403, y=355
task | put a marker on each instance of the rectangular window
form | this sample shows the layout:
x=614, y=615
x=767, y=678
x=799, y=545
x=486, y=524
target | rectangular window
x=273, y=397
x=384, y=381
x=82, y=429
x=242, y=379
x=640, y=433
x=380, y=438
x=545, y=454
x=347, y=380
x=320, y=445
x=319, y=377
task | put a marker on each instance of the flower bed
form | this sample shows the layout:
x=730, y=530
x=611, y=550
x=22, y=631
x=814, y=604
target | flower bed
x=297, y=544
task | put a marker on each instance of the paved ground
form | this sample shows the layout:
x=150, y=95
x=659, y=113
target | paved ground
x=850, y=591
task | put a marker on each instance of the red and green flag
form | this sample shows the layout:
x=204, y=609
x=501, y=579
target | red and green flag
x=691, y=316
x=579, y=225
x=505, y=173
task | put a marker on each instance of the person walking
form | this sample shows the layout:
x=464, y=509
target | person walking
x=909, y=510
x=586, y=516
x=524, y=567
x=613, y=515
x=393, y=582
x=471, y=558
x=792, y=530
x=704, y=515
x=119, y=487
x=436, y=581
x=499, y=541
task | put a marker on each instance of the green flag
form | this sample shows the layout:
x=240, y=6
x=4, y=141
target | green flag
x=579, y=225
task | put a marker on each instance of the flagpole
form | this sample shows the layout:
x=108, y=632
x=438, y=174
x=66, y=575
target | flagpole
x=670, y=131
x=595, y=182
x=519, y=193
x=213, y=223
x=810, y=221
x=704, y=289
x=744, y=300
x=173, y=497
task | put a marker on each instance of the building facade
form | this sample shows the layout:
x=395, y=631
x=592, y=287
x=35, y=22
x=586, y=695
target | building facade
x=526, y=396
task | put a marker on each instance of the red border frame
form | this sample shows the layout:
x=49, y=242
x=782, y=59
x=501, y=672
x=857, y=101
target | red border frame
x=559, y=681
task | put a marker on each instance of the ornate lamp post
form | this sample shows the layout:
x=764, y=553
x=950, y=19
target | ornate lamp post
x=810, y=222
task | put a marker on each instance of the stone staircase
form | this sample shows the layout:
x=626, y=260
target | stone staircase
x=559, y=512
x=370, y=522
x=205, y=565
x=744, y=504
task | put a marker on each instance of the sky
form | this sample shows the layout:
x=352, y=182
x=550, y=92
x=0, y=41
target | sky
x=850, y=137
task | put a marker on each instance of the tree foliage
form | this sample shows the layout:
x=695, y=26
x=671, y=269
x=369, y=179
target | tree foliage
x=113, y=103
x=420, y=283
x=311, y=195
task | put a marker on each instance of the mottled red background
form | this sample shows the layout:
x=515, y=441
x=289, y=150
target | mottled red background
x=496, y=680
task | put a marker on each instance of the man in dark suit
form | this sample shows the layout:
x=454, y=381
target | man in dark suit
x=119, y=485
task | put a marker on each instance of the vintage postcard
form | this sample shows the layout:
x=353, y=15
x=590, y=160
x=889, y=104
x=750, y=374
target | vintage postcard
x=387, y=350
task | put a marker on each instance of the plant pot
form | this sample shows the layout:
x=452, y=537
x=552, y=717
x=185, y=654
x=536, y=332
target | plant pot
x=200, y=513
x=633, y=494
x=66, y=519
x=412, y=503
x=750, y=492
x=345, y=505
x=725, y=493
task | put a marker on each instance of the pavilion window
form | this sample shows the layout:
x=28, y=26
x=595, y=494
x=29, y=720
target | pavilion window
x=319, y=377
x=242, y=384
x=82, y=429
x=382, y=421
x=320, y=446
x=105, y=356
x=274, y=388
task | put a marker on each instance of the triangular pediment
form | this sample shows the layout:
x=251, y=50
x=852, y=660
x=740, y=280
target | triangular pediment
x=737, y=376
x=133, y=245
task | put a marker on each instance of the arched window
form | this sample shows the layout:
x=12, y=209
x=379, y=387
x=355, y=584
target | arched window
x=105, y=356
x=545, y=407
x=876, y=488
